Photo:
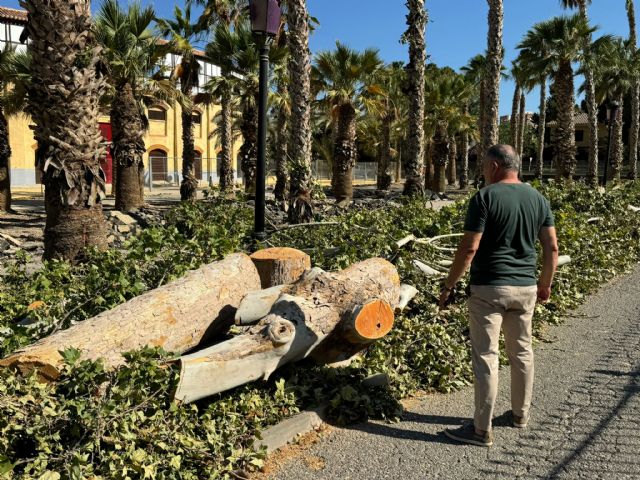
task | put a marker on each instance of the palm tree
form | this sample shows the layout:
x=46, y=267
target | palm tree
x=615, y=76
x=564, y=39
x=14, y=77
x=590, y=94
x=132, y=54
x=65, y=109
x=391, y=79
x=282, y=105
x=342, y=76
x=475, y=72
x=415, y=37
x=182, y=32
x=532, y=48
x=515, y=106
x=495, y=53
x=301, y=209
x=635, y=97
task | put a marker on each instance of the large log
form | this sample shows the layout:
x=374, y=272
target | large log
x=328, y=317
x=280, y=265
x=177, y=317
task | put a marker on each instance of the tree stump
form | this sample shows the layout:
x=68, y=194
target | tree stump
x=177, y=317
x=280, y=265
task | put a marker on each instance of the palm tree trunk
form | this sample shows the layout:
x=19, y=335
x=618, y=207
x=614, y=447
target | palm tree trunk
x=617, y=151
x=225, y=168
x=429, y=175
x=634, y=129
x=522, y=123
x=453, y=161
x=384, y=178
x=481, y=125
x=565, y=132
x=441, y=152
x=415, y=35
x=515, y=108
x=300, y=73
x=464, y=165
x=541, y=128
x=189, y=185
x=65, y=108
x=494, y=67
x=344, y=158
x=5, y=156
x=128, y=148
x=282, y=150
x=249, y=148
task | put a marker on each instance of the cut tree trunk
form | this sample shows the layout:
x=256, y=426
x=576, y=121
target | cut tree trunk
x=280, y=265
x=345, y=154
x=328, y=317
x=176, y=317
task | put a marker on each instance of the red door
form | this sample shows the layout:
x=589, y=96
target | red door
x=107, y=164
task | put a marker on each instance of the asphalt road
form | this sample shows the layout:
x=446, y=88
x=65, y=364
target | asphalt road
x=585, y=416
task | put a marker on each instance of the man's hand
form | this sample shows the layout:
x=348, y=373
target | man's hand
x=544, y=293
x=445, y=295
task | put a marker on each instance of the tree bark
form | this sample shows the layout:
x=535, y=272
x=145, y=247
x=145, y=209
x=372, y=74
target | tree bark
x=515, y=109
x=464, y=165
x=225, y=168
x=492, y=83
x=415, y=37
x=541, y=128
x=617, y=150
x=128, y=148
x=453, y=158
x=384, y=176
x=5, y=169
x=280, y=265
x=301, y=208
x=441, y=150
x=189, y=185
x=64, y=103
x=565, y=132
x=249, y=148
x=522, y=123
x=328, y=317
x=177, y=317
x=281, y=190
x=634, y=129
x=345, y=153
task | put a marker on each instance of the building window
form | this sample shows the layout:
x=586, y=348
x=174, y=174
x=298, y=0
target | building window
x=197, y=118
x=579, y=135
x=158, y=114
x=158, y=163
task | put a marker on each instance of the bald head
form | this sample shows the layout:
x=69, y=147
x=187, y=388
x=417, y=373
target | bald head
x=505, y=156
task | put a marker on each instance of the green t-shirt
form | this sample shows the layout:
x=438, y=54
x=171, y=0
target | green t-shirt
x=510, y=215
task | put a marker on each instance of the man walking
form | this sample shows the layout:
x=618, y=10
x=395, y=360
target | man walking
x=503, y=222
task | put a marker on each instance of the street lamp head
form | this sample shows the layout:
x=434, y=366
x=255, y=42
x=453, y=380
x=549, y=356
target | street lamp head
x=265, y=17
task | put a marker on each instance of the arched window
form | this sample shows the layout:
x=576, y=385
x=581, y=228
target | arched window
x=197, y=165
x=197, y=118
x=158, y=114
x=158, y=162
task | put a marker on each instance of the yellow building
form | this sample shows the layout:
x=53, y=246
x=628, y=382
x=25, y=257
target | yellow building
x=163, y=161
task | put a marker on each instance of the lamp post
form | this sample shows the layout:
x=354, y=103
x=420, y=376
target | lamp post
x=265, y=24
x=612, y=113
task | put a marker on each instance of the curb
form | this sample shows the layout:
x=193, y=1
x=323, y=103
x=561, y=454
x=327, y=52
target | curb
x=290, y=429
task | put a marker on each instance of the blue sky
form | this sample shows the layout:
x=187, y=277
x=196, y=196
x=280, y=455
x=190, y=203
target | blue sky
x=456, y=31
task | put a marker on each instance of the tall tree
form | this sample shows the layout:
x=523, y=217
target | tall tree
x=515, y=106
x=132, y=55
x=495, y=53
x=301, y=209
x=182, y=32
x=564, y=39
x=14, y=76
x=590, y=94
x=282, y=107
x=65, y=109
x=415, y=37
x=343, y=76
x=634, y=128
x=476, y=72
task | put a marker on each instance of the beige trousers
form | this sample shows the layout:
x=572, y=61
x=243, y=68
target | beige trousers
x=512, y=309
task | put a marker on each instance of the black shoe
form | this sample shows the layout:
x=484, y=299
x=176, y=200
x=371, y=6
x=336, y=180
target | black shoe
x=467, y=434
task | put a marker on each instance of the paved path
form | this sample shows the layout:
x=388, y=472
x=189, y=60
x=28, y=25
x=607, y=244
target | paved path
x=585, y=416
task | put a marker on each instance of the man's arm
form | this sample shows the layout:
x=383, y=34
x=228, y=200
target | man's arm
x=464, y=256
x=549, y=261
